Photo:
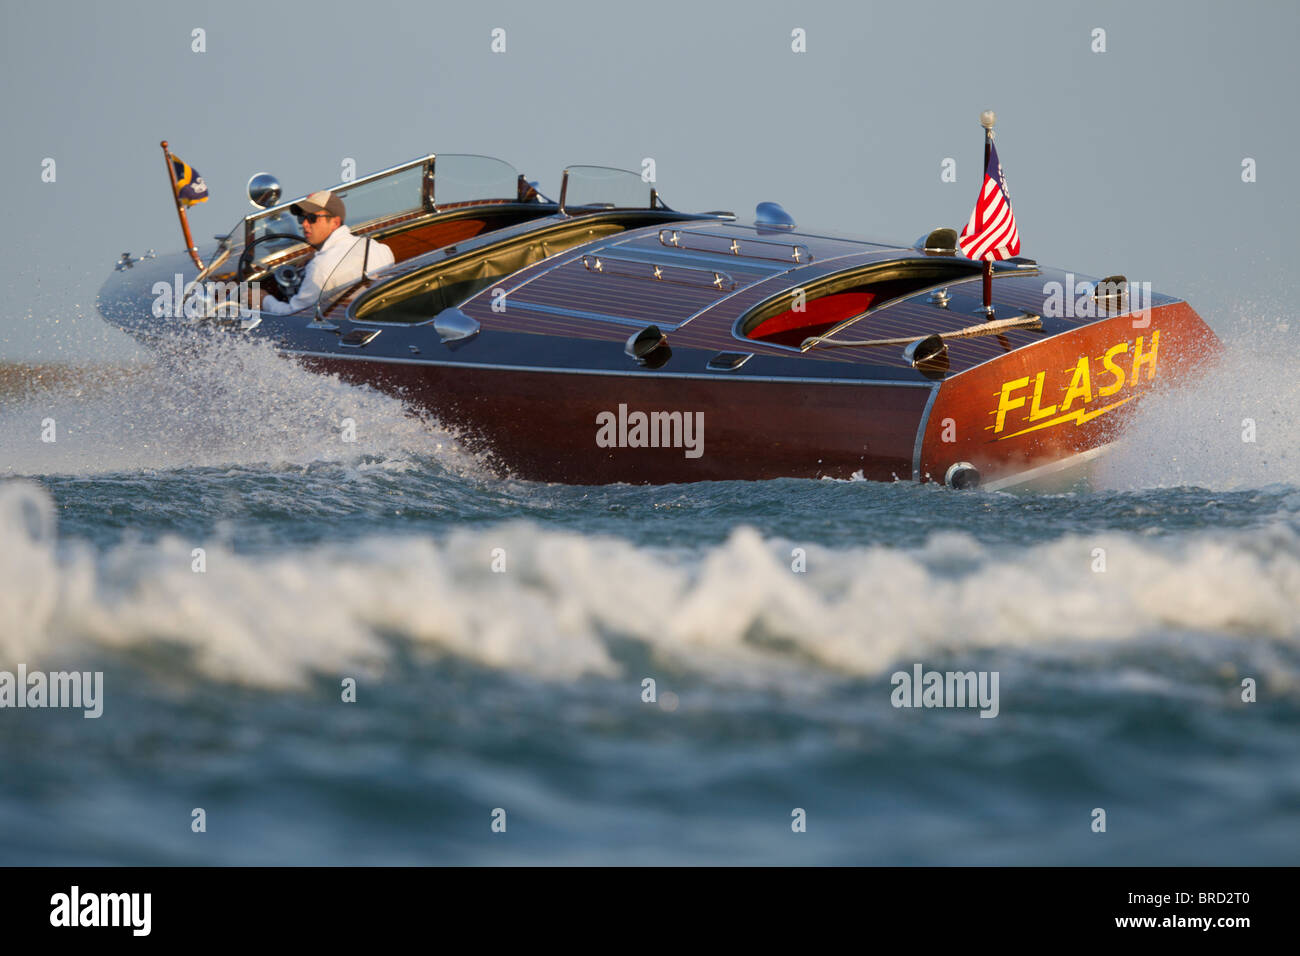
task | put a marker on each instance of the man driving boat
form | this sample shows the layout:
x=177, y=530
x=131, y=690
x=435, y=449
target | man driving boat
x=340, y=256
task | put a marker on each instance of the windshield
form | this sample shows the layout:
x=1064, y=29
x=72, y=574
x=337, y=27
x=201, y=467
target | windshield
x=467, y=178
x=406, y=191
x=393, y=192
x=391, y=195
x=606, y=187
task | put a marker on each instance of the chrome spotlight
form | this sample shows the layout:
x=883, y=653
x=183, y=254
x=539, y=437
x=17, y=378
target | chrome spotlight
x=264, y=191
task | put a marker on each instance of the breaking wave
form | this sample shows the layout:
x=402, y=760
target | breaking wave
x=566, y=602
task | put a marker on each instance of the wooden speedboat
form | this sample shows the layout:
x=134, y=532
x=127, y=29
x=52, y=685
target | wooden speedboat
x=605, y=337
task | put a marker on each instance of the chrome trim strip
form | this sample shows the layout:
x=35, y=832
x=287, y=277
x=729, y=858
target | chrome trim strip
x=597, y=371
x=1051, y=468
x=389, y=325
x=920, y=432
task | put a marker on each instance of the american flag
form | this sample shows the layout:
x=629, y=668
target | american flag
x=991, y=232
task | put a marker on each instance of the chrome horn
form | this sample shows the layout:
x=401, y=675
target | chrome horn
x=264, y=190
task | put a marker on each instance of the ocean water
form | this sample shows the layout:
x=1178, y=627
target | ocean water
x=501, y=634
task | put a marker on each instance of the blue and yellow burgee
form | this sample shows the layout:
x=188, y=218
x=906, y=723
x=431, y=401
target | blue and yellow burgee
x=190, y=187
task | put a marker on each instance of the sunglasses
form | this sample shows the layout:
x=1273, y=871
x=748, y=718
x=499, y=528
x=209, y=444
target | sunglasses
x=311, y=217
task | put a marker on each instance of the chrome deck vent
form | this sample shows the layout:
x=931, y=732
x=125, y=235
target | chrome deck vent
x=772, y=216
x=929, y=356
x=649, y=347
x=453, y=325
x=1110, y=293
x=940, y=242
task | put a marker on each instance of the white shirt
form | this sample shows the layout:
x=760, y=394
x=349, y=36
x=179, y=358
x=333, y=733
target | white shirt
x=337, y=263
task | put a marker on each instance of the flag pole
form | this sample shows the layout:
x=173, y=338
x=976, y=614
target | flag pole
x=180, y=209
x=987, y=119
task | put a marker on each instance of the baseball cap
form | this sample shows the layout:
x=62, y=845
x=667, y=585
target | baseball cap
x=323, y=201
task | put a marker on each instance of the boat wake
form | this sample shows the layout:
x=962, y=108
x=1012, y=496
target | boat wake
x=1234, y=427
x=565, y=605
x=213, y=401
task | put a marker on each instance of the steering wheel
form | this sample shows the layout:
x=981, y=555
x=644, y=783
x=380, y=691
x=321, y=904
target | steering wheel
x=289, y=278
x=246, y=259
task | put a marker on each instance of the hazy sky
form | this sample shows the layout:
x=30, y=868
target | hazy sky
x=1124, y=161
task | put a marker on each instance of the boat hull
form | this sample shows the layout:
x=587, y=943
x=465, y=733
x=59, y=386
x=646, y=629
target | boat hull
x=1021, y=414
x=599, y=428
x=1030, y=412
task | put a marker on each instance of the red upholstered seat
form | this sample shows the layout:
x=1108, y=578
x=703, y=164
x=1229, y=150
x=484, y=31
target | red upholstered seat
x=818, y=316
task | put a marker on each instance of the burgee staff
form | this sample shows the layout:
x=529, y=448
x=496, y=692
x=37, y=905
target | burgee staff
x=197, y=192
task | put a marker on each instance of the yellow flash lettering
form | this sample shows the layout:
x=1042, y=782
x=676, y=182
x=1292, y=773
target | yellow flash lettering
x=1079, y=416
x=1036, y=411
x=1108, y=365
x=1006, y=403
x=1080, y=385
x=1148, y=360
